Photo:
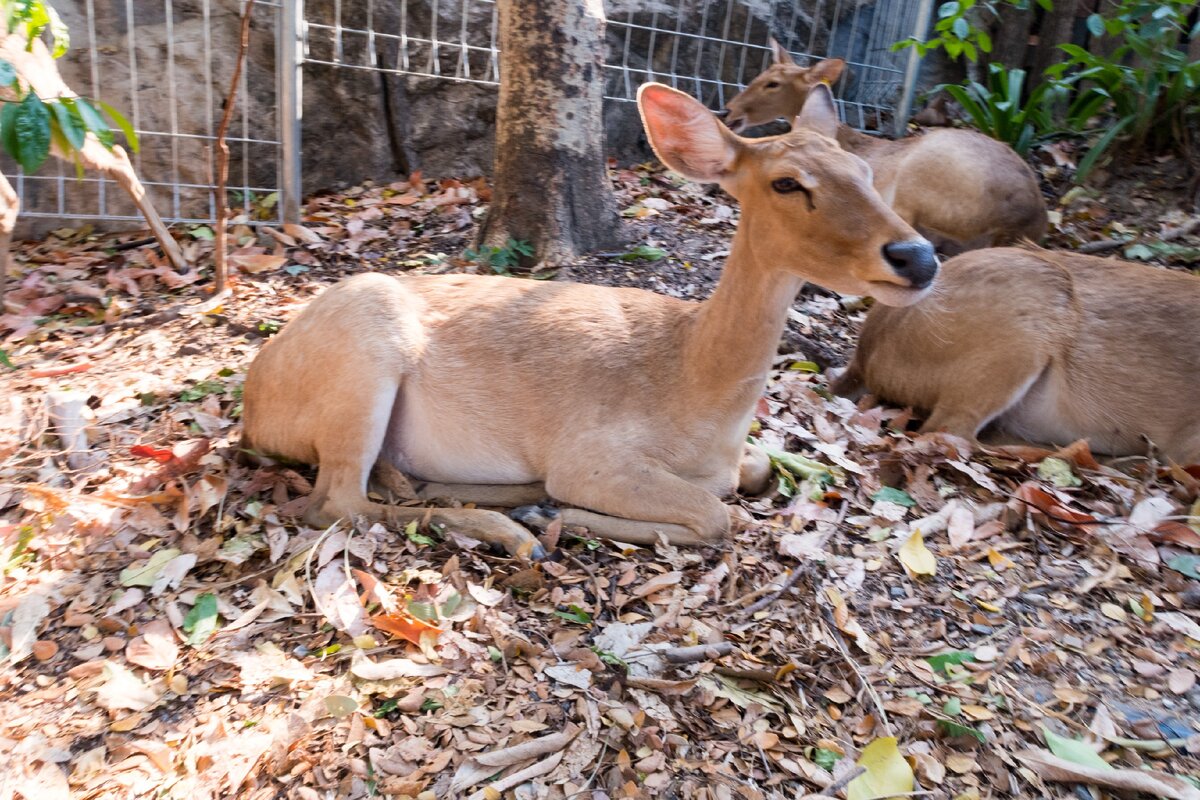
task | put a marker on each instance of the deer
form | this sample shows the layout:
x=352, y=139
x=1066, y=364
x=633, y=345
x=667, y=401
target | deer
x=36, y=67
x=959, y=187
x=629, y=409
x=1044, y=347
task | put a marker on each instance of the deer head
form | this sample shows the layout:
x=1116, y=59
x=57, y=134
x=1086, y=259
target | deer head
x=780, y=91
x=808, y=206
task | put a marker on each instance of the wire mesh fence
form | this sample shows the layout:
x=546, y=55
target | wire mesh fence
x=166, y=66
x=166, y=63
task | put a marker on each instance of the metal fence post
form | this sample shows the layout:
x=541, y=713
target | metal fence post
x=290, y=92
x=912, y=68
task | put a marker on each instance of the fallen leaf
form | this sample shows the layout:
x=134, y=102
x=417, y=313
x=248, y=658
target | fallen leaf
x=27, y=617
x=146, y=574
x=1181, y=681
x=391, y=669
x=155, y=648
x=1076, y=751
x=887, y=772
x=336, y=597
x=570, y=674
x=124, y=690
x=1050, y=767
x=915, y=556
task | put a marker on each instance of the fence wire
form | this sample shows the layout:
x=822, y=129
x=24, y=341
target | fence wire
x=166, y=64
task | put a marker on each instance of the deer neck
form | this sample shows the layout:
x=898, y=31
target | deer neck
x=736, y=331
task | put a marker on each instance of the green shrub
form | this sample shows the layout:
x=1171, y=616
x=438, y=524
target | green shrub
x=1147, y=84
x=1000, y=110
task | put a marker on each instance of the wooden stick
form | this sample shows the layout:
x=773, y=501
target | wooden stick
x=220, y=262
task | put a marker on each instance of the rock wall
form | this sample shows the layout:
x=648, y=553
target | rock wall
x=172, y=74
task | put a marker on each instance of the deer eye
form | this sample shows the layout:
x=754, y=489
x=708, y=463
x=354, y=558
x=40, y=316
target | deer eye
x=773, y=85
x=790, y=185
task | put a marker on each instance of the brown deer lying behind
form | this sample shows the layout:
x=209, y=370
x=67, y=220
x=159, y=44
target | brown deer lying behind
x=959, y=187
x=38, y=71
x=1045, y=346
x=631, y=406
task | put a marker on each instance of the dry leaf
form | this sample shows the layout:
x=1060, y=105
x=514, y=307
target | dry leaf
x=27, y=617
x=1050, y=767
x=156, y=648
x=124, y=690
x=915, y=556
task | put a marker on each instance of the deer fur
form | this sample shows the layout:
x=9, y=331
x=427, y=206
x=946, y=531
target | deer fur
x=38, y=70
x=630, y=407
x=961, y=188
x=1046, y=347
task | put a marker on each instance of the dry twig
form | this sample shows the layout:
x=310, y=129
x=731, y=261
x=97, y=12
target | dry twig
x=220, y=260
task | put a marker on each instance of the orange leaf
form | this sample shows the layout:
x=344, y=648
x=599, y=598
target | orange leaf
x=404, y=626
x=1176, y=533
x=1046, y=503
x=159, y=454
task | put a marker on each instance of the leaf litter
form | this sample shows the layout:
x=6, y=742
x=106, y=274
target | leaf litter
x=899, y=613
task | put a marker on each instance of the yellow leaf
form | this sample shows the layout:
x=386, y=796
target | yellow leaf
x=1113, y=611
x=887, y=772
x=915, y=556
x=998, y=560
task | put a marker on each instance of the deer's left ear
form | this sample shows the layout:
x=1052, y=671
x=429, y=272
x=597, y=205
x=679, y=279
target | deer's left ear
x=780, y=53
x=827, y=71
x=685, y=135
x=819, y=113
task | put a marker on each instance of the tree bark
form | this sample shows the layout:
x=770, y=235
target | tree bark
x=1057, y=28
x=550, y=188
x=1012, y=36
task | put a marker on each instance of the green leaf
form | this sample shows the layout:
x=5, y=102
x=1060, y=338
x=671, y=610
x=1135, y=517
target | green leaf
x=575, y=614
x=962, y=28
x=131, y=137
x=426, y=612
x=1139, y=252
x=645, y=253
x=1093, y=154
x=69, y=123
x=893, y=495
x=947, y=10
x=952, y=707
x=203, y=232
x=1095, y=25
x=826, y=759
x=31, y=129
x=1058, y=472
x=8, y=73
x=146, y=573
x=1186, y=563
x=201, y=621
x=1074, y=750
x=410, y=530
x=941, y=661
x=60, y=37
x=94, y=122
x=5, y=361
x=951, y=729
x=339, y=706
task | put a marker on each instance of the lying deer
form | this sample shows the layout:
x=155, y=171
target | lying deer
x=1047, y=347
x=38, y=71
x=631, y=407
x=959, y=187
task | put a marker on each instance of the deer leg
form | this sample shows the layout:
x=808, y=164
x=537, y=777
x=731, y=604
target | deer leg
x=754, y=471
x=10, y=206
x=116, y=165
x=386, y=479
x=641, y=503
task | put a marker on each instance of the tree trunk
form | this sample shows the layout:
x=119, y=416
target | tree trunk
x=1012, y=37
x=1057, y=28
x=551, y=189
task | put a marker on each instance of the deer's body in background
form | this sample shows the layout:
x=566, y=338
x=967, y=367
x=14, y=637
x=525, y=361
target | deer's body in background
x=959, y=187
x=1047, y=347
x=629, y=406
x=36, y=68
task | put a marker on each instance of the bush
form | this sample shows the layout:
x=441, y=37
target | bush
x=1147, y=84
x=1000, y=110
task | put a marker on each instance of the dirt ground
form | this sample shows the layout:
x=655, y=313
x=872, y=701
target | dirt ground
x=978, y=623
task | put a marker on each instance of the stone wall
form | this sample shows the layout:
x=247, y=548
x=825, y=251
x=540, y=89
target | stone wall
x=360, y=124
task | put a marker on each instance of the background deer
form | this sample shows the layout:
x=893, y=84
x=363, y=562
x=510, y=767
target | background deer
x=962, y=188
x=36, y=67
x=628, y=405
x=1047, y=347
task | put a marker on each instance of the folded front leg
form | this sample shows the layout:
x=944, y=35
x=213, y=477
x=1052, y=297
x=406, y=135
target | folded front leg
x=637, y=505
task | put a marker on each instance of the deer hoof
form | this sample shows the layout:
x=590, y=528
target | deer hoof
x=537, y=516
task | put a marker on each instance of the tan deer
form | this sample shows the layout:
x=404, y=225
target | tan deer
x=1046, y=347
x=959, y=187
x=630, y=407
x=38, y=72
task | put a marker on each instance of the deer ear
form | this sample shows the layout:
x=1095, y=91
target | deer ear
x=827, y=71
x=819, y=113
x=781, y=54
x=685, y=135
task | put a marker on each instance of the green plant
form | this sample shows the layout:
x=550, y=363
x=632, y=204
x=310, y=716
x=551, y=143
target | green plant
x=1000, y=109
x=955, y=31
x=500, y=259
x=30, y=124
x=1147, y=84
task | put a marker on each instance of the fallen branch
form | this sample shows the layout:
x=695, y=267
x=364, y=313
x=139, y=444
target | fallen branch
x=700, y=652
x=765, y=601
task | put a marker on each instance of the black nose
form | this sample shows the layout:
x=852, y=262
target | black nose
x=914, y=260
